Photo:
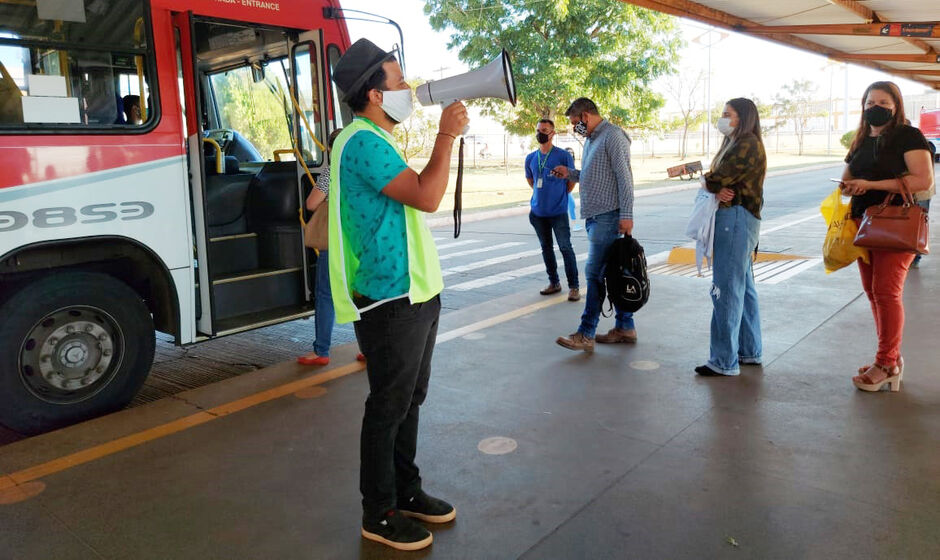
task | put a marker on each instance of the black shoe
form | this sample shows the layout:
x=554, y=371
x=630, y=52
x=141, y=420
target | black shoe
x=397, y=531
x=427, y=508
x=706, y=371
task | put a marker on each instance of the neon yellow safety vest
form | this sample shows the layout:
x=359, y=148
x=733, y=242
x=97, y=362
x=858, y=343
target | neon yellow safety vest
x=424, y=268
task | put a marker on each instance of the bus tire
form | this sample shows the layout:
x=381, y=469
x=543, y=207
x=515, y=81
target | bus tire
x=73, y=345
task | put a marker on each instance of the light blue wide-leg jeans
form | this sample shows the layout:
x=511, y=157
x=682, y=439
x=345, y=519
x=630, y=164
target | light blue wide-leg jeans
x=735, y=326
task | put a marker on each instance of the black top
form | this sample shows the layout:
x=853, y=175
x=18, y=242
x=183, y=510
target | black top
x=880, y=158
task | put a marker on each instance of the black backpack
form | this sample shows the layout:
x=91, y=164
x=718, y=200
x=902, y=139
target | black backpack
x=628, y=285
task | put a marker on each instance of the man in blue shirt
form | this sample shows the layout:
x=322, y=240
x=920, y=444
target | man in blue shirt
x=550, y=208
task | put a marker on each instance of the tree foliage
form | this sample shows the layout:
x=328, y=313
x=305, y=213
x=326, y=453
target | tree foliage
x=684, y=88
x=254, y=111
x=416, y=135
x=795, y=102
x=607, y=50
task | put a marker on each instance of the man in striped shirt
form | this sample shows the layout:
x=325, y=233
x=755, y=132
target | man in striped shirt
x=607, y=208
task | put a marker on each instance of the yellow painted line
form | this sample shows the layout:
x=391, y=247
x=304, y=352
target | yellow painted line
x=502, y=318
x=163, y=430
x=685, y=255
x=133, y=440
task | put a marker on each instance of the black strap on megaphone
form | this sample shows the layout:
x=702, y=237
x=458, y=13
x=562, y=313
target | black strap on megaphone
x=458, y=191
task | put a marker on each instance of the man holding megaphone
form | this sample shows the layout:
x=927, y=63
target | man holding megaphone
x=385, y=276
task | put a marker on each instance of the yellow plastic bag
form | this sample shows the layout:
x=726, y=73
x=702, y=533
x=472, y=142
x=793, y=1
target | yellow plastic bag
x=839, y=248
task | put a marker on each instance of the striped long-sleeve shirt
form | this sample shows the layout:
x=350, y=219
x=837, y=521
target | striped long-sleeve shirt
x=605, y=175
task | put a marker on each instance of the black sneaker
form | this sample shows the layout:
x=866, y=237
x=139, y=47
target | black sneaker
x=427, y=508
x=397, y=531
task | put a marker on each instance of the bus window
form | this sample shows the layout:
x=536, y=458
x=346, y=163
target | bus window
x=63, y=66
x=341, y=113
x=308, y=99
x=259, y=111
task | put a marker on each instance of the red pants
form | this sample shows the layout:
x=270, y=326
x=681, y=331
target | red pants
x=883, y=281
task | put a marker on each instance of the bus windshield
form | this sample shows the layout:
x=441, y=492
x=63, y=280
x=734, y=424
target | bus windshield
x=259, y=111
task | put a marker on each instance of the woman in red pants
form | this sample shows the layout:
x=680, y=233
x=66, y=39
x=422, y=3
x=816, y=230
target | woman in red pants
x=885, y=152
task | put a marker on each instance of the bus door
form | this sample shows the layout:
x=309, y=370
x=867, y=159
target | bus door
x=183, y=29
x=311, y=124
x=247, y=193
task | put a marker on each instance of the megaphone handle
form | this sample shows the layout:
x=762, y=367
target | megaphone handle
x=446, y=104
x=458, y=191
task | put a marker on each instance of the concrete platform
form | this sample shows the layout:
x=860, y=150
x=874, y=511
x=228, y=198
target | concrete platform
x=621, y=454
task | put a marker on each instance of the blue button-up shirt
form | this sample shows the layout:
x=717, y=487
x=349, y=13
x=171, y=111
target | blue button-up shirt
x=605, y=176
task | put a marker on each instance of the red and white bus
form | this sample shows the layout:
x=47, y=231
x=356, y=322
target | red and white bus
x=142, y=188
x=929, y=124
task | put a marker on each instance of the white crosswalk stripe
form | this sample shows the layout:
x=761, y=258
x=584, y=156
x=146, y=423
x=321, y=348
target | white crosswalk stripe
x=503, y=277
x=765, y=272
x=481, y=250
x=458, y=244
x=490, y=262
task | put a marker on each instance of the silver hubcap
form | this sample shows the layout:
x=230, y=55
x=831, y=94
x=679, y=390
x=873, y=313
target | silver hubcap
x=71, y=354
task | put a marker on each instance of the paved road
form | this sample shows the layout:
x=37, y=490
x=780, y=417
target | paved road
x=660, y=226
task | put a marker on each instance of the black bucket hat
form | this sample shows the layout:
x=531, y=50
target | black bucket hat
x=357, y=65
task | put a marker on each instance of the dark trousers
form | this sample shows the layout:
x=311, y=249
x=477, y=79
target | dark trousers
x=543, y=228
x=397, y=339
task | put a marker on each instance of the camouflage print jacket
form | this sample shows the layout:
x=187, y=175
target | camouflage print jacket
x=741, y=168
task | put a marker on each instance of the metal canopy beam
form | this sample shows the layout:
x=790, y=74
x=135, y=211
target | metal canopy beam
x=927, y=30
x=725, y=20
x=873, y=16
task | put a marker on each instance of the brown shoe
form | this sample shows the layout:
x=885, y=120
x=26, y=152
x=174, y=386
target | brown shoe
x=551, y=289
x=576, y=341
x=617, y=335
x=574, y=294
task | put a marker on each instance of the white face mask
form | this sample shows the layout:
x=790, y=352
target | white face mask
x=398, y=104
x=724, y=126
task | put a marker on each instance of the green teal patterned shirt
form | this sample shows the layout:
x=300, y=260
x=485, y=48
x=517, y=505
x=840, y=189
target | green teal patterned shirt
x=741, y=168
x=373, y=222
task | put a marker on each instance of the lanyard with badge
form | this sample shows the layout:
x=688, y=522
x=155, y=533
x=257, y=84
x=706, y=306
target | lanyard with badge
x=541, y=165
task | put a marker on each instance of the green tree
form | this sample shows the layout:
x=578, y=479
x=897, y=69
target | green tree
x=795, y=103
x=252, y=109
x=563, y=49
x=415, y=136
x=686, y=94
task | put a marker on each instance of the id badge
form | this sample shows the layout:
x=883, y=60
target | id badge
x=538, y=182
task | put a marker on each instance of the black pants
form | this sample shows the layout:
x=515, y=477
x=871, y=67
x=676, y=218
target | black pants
x=397, y=339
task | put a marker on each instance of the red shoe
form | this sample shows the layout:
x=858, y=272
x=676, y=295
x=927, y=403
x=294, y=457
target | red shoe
x=360, y=357
x=313, y=360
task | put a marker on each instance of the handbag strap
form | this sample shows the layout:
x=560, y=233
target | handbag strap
x=906, y=192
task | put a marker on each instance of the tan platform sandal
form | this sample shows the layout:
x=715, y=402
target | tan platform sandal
x=875, y=377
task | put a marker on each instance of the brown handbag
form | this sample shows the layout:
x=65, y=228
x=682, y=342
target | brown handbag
x=317, y=230
x=901, y=228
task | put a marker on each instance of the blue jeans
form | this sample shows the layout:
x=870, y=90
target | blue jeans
x=602, y=230
x=925, y=204
x=323, y=304
x=544, y=225
x=735, y=329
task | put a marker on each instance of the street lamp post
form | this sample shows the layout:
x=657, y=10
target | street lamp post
x=708, y=42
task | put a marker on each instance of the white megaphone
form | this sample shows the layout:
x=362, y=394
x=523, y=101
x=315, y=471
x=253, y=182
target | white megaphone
x=493, y=80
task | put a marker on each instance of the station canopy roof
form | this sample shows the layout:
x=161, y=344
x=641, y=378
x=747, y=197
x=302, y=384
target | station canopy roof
x=899, y=37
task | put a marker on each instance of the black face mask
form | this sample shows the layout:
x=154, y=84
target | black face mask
x=541, y=137
x=876, y=115
x=581, y=128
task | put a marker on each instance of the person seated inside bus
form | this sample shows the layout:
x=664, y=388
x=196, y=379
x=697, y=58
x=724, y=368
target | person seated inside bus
x=132, y=109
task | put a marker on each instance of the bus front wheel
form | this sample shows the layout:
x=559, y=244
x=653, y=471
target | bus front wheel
x=73, y=345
